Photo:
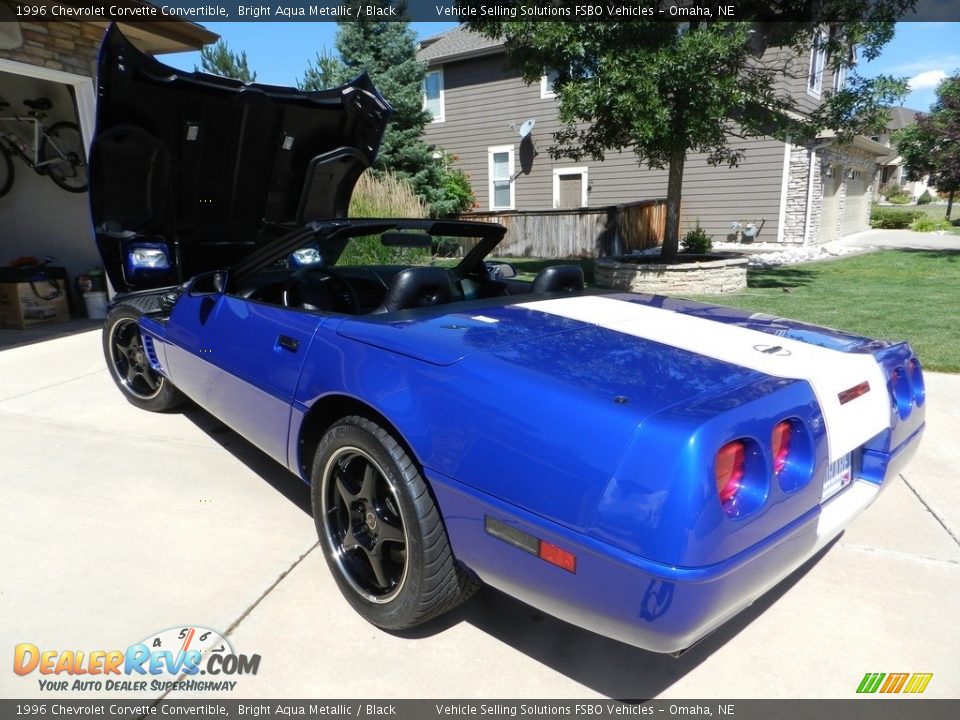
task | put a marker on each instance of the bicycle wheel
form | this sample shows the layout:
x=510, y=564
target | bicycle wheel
x=6, y=171
x=63, y=142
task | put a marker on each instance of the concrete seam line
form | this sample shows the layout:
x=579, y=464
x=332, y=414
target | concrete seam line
x=250, y=608
x=900, y=554
x=266, y=592
x=930, y=509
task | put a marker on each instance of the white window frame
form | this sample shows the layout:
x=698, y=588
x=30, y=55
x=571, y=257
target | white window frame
x=817, y=64
x=441, y=116
x=840, y=78
x=546, y=91
x=583, y=171
x=511, y=160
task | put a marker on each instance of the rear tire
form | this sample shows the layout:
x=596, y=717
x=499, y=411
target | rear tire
x=64, y=142
x=129, y=366
x=381, y=532
x=6, y=171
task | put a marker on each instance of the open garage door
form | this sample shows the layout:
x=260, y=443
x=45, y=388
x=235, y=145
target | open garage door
x=38, y=218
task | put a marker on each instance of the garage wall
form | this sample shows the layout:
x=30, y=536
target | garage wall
x=37, y=218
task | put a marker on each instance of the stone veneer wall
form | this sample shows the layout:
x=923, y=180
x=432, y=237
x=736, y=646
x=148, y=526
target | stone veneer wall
x=68, y=46
x=713, y=277
x=793, y=226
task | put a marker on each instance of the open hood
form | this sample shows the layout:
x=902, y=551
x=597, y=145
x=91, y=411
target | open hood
x=192, y=172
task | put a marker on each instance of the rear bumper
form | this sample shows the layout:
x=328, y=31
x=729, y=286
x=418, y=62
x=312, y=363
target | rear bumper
x=631, y=599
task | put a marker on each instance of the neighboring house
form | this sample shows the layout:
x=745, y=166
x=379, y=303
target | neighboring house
x=792, y=193
x=892, y=167
x=57, y=60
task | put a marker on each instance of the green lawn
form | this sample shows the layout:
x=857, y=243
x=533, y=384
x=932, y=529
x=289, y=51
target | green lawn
x=909, y=295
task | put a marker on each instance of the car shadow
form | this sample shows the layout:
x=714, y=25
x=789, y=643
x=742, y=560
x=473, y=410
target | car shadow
x=606, y=666
x=778, y=277
x=272, y=472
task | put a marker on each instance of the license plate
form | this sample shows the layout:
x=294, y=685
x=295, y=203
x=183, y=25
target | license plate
x=839, y=475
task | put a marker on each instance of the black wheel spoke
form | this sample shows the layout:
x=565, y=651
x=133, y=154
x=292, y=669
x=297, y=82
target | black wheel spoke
x=342, y=488
x=150, y=379
x=349, y=541
x=378, y=566
x=369, y=487
x=387, y=531
x=131, y=374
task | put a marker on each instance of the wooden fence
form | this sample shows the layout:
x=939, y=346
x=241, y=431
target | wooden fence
x=581, y=232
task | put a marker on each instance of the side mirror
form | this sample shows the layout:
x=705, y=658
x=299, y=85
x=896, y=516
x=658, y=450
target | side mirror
x=208, y=283
x=500, y=270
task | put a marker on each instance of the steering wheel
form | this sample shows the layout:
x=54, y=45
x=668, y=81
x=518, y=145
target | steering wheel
x=331, y=289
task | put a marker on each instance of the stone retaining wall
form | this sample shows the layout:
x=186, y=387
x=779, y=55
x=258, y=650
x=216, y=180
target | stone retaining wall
x=711, y=277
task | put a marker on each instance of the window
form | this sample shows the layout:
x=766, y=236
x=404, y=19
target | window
x=840, y=78
x=570, y=187
x=501, y=177
x=433, y=94
x=818, y=59
x=546, y=85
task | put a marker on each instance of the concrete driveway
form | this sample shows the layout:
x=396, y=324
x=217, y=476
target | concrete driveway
x=117, y=523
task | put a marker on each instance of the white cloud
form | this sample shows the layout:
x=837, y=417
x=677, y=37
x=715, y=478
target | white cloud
x=928, y=79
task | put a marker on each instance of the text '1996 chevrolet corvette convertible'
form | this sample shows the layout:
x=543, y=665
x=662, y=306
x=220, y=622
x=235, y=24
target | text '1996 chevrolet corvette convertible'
x=640, y=466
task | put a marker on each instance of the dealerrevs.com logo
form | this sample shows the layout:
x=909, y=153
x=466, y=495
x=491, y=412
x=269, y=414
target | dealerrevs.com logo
x=173, y=659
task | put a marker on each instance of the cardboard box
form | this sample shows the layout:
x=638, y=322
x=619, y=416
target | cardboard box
x=26, y=304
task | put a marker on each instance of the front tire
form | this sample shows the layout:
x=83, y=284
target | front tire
x=380, y=530
x=129, y=366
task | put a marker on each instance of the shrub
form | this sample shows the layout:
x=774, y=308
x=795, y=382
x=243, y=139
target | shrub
x=892, y=218
x=696, y=241
x=925, y=199
x=383, y=195
x=923, y=223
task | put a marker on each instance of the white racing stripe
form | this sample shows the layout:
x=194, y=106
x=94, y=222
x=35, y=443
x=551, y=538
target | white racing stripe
x=828, y=371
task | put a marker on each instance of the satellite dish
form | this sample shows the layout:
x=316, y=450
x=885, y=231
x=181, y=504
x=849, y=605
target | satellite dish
x=527, y=128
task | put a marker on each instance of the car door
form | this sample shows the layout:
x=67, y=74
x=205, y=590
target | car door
x=241, y=359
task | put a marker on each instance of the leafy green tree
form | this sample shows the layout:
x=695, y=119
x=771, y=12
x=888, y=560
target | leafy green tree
x=219, y=59
x=931, y=146
x=664, y=90
x=387, y=51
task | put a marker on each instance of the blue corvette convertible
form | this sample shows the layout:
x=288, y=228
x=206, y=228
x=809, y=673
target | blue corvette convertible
x=640, y=466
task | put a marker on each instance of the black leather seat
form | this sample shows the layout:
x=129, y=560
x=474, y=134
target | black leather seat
x=558, y=278
x=418, y=287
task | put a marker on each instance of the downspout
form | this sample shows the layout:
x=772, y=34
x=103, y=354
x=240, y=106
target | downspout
x=806, y=218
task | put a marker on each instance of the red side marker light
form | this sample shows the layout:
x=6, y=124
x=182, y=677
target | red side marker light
x=853, y=393
x=554, y=555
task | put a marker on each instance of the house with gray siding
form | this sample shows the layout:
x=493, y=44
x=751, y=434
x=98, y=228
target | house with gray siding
x=794, y=194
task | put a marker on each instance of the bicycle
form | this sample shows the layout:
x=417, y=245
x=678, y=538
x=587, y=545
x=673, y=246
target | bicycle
x=57, y=151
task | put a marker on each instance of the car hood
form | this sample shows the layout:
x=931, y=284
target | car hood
x=192, y=172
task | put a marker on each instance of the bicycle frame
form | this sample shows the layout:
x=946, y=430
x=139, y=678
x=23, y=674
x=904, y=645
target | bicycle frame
x=33, y=160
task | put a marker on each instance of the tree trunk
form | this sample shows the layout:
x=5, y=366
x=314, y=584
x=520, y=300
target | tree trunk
x=950, y=204
x=671, y=239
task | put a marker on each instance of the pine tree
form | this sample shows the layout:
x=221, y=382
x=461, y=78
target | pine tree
x=219, y=59
x=387, y=51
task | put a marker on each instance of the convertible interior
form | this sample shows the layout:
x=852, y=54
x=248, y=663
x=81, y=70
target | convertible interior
x=322, y=277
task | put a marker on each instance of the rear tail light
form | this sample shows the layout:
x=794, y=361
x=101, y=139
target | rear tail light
x=729, y=468
x=915, y=372
x=901, y=393
x=781, y=445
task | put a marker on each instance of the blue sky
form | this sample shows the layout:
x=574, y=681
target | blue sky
x=279, y=52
